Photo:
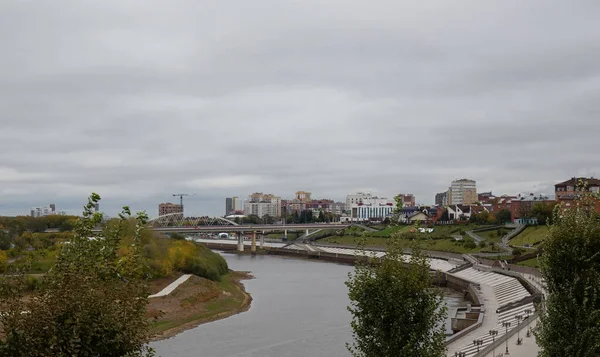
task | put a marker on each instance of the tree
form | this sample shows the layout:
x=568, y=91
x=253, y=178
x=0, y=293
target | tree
x=503, y=216
x=321, y=217
x=399, y=204
x=395, y=310
x=91, y=303
x=570, y=266
x=542, y=211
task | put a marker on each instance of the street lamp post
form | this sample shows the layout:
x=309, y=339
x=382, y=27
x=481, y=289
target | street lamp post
x=528, y=314
x=506, y=325
x=493, y=333
x=518, y=318
x=478, y=343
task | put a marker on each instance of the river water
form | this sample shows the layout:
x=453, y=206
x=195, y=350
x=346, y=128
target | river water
x=299, y=310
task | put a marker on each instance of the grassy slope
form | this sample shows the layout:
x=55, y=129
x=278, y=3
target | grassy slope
x=530, y=235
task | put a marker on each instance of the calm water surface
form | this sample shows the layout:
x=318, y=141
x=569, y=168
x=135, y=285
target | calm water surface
x=299, y=310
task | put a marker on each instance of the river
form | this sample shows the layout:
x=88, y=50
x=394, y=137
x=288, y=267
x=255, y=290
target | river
x=299, y=310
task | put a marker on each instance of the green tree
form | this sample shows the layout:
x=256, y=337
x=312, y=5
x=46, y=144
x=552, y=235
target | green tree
x=91, y=303
x=399, y=204
x=503, y=216
x=395, y=309
x=570, y=265
x=542, y=211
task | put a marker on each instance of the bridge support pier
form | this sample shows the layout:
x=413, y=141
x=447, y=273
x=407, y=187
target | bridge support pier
x=240, y=246
x=253, y=246
x=285, y=234
x=306, y=232
x=262, y=240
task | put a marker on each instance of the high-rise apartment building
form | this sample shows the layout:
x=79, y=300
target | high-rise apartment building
x=303, y=196
x=168, y=208
x=44, y=211
x=441, y=199
x=228, y=206
x=261, y=204
x=462, y=192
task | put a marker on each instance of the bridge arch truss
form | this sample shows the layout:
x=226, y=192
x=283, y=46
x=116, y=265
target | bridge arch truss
x=178, y=220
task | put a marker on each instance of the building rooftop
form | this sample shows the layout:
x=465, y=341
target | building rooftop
x=575, y=181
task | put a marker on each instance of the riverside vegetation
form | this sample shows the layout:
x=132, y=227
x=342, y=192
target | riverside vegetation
x=90, y=293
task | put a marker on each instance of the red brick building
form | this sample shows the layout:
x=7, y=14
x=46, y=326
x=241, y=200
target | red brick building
x=566, y=192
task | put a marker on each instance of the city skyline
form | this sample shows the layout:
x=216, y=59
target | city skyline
x=137, y=101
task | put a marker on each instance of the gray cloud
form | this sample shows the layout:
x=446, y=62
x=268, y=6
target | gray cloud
x=138, y=100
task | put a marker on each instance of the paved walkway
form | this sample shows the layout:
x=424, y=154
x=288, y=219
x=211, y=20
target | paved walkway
x=528, y=348
x=169, y=289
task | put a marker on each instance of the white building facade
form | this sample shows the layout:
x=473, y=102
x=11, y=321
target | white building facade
x=356, y=198
x=372, y=208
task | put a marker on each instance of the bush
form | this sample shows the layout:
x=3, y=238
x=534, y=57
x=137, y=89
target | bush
x=517, y=252
x=470, y=245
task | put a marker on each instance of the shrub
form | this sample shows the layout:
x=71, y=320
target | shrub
x=470, y=245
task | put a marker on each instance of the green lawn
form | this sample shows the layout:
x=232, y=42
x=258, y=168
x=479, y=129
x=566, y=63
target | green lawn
x=442, y=245
x=387, y=232
x=533, y=262
x=530, y=235
x=492, y=235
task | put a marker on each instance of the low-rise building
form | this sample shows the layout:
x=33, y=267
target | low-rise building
x=566, y=192
x=373, y=208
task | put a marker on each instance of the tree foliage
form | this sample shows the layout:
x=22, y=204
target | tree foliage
x=571, y=267
x=542, y=211
x=395, y=309
x=503, y=216
x=91, y=303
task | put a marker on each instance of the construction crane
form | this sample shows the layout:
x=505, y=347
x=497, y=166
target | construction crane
x=181, y=197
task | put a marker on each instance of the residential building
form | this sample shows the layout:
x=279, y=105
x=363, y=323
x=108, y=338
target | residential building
x=43, y=211
x=566, y=192
x=355, y=198
x=228, y=205
x=485, y=197
x=168, y=208
x=520, y=206
x=233, y=205
x=459, y=212
x=262, y=209
x=303, y=196
x=462, y=192
x=441, y=199
x=408, y=200
x=262, y=204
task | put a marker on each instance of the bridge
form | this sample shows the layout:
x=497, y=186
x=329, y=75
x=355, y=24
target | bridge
x=175, y=223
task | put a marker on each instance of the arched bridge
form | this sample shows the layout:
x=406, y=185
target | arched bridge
x=178, y=220
x=175, y=222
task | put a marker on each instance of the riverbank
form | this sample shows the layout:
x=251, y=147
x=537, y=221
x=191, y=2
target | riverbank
x=198, y=301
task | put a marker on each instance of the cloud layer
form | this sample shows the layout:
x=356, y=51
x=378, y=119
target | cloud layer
x=137, y=100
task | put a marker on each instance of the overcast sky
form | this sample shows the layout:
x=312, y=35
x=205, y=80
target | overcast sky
x=137, y=100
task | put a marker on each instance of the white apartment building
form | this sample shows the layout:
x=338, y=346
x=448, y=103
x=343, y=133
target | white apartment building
x=462, y=192
x=262, y=209
x=261, y=204
x=355, y=198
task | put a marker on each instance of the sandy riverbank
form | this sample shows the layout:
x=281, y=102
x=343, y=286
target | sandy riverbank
x=197, y=301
